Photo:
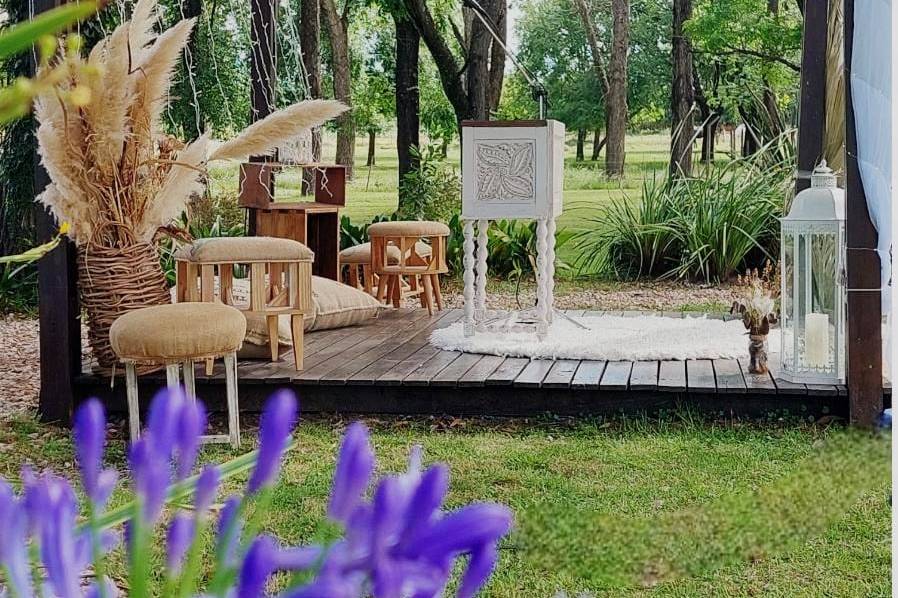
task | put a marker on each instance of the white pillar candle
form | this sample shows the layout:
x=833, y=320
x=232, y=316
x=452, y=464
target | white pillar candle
x=816, y=340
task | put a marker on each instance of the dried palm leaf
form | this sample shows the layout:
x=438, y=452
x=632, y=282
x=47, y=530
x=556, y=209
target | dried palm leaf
x=263, y=137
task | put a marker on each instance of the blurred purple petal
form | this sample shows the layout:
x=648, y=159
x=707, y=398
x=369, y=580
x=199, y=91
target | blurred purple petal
x=162, y=421
x=355, y=464
x=426, y=501
x=480, y=567
x=277, y=423
x=230, y=528
x=62, y=553
x=206, y=488
x=463, y=530
x=258, y=565
x=13, y=552
x=151, y=477
x=191, y=425
x=90, y=438
x=298, y=559
x=180, y=536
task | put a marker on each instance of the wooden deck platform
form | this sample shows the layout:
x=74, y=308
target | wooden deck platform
x=388, y=366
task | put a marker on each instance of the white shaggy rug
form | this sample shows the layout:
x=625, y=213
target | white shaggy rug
x=612, y=338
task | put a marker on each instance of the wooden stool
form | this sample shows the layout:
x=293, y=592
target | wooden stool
x=358, y=258
x=179, y=335
x=280, y=273
x=422, y=271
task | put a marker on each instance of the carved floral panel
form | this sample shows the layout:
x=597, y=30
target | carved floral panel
x=505, y=171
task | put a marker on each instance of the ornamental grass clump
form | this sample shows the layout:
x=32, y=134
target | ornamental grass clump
x=398, y=540
x=118, y=178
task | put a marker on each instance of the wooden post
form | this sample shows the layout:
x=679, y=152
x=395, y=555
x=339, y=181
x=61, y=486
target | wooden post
x=812, y=103
x=864, y=294
x=60, y=328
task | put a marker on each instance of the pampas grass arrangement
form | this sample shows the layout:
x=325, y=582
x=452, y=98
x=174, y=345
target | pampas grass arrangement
x=118, y=179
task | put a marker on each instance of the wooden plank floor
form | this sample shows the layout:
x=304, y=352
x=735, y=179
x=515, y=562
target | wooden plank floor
x=388, y=366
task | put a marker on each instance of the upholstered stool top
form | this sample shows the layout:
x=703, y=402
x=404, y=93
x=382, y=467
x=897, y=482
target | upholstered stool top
x=408, y=228
x=361, y=254
x=173, y=333
x=244, y=249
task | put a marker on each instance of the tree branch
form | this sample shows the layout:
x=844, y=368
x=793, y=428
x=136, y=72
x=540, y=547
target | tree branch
x=730, y=51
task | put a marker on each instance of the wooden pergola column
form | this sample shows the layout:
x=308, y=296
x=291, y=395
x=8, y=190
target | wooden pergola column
x=863, y=269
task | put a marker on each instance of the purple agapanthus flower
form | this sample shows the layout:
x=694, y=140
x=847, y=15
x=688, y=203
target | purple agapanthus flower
x=352, y=476
x=180, y=536
x=90, y=442
x=13, y=548
x=276, y=425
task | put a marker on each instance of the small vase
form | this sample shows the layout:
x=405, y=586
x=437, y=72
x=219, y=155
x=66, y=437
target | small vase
x=757, y=354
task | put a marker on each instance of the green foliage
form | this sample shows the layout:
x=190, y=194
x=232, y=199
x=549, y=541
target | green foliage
x=18, y=287
x=356, y=234
x=705, y=228
x=433, y=191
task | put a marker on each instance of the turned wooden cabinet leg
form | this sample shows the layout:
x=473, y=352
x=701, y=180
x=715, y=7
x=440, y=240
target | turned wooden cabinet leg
x=296, y=329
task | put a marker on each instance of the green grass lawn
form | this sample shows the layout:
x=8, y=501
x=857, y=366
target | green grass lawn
x=373, y=190
x=674, y=507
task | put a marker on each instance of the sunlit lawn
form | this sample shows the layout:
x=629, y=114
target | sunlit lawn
x=671, y=508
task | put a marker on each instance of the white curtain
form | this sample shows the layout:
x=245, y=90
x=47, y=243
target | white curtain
x=871, y=93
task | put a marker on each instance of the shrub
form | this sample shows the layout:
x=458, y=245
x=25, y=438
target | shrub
x=432, y=191
x=399, y=542
x=704, y=228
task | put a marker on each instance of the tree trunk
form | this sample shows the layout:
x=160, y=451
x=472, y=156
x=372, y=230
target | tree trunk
x=372, y=136
x=598, y=142
x=338, y=27
x=407, y=98
x=310, y=45
x=472, y=84
x=682, y=94
x=707, y=114
x=616, y=100
x=581, y=140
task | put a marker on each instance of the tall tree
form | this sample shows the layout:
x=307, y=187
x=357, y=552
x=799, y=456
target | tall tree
x=407, y=97
x=472, y=81
x=682, y=94
x=310, y=46
x=338, y=28
x=616, y=100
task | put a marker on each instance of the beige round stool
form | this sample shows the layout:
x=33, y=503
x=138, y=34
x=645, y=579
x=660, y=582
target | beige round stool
x=358, y=257
x=176, y=335
x=422, y=271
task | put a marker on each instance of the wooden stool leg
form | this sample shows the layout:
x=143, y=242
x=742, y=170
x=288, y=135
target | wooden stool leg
x=230, y=363
x=366, y=279
x=425, y=300
x=273, y=336
x=436, y=290
x=428, y=293
x=171, y=375
x=210, y=366
x=353, y=276
x=296, y=329
x=133, y=405
x=189, y=379
x=397, y=291
x=381, y=287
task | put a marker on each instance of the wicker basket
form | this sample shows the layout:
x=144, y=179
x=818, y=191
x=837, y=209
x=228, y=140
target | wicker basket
x=113, y=281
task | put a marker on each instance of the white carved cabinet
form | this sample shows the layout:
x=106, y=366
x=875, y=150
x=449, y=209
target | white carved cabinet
x=510, y=170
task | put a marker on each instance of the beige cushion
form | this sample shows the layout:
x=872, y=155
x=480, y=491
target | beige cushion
x=361, y=254
x=244, y=249
x=409, y=228
x=338, y=305
x=335, y=305
x=169, y=333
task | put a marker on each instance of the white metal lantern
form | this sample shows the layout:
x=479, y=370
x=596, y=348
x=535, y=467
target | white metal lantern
x=510, y=170
x=813, y=291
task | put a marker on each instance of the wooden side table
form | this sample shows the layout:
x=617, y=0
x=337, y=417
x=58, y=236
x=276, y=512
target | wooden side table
x=315, y=224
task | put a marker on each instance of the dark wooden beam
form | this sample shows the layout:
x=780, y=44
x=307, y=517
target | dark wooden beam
x=60, y=327
x=864, y=295
x=812, y=103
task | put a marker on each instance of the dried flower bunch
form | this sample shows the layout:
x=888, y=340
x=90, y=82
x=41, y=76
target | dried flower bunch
x=756, y=299
x=398, y=540
x=115, y=176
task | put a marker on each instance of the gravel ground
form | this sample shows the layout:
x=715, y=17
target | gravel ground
x=20, y=376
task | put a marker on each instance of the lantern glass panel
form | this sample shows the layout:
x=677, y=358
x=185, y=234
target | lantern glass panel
x=812, y=300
